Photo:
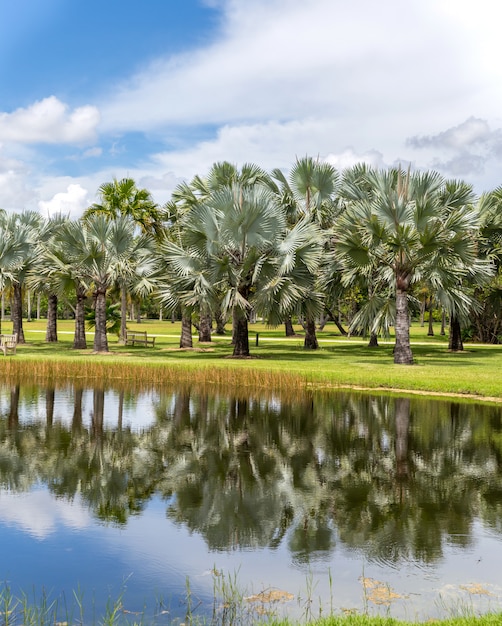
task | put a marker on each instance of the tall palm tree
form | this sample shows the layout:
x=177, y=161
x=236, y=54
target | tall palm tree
x=237, y=244
x=309, y=193
x=187, y=197
x=57, y=267
x=42, y=278
x=412, y=226
x=123, y=198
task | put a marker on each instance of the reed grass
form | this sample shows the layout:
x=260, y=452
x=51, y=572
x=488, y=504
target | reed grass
x=229, y=609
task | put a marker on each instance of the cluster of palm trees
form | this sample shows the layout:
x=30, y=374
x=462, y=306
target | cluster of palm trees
x=244, y=241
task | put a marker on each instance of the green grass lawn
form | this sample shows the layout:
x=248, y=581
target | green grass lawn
x=340, y=361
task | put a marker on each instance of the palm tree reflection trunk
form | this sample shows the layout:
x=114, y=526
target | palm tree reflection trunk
x=13, y=420
x=402, y=406
x=98, y=413
x=120, y=410
x=76, y=424
x=49, y=405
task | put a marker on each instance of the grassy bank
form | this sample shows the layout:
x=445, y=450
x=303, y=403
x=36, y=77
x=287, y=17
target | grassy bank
x=363, y=620
x=277, y=362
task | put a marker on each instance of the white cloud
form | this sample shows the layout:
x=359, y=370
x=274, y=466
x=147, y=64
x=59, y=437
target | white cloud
x=288, y=78
x=14, y=190
x=283, y=59
x=281, y=79
x=71, y=202
x=92, y=152
x=465, y=150
x=349, y=158
x=49, y=121
x=471, y=132
x=270, y=144
x=39, y=514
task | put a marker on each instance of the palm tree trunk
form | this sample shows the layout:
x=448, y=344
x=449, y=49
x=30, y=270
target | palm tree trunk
x=430, y=332
x=443, y=323
x=220, y=321
x=100, y=337
x=123, y=315
x=310, y=342
x=17, y=312
x=288, y=327
x=186, y=329
x=205, y=325
x=79, y=340
x=373, y=342
x=402, y=350
x=240, y=333
x=455, y=343
x=51, y=334
x=28, y=306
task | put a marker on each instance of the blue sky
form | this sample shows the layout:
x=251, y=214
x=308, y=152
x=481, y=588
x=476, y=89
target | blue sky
x=160, y=90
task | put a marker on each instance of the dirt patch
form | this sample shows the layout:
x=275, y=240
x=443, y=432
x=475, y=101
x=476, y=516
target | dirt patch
x=188, y=350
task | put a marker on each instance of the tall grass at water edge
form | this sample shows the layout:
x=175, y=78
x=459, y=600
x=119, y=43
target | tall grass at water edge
x=230, y=608
x=278, y=362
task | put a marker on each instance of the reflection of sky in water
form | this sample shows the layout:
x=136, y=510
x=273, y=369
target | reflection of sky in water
x=56, y=545
x=138, y=410
x=53, y=544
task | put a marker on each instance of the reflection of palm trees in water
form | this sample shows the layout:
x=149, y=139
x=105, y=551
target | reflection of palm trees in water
x=389, y=476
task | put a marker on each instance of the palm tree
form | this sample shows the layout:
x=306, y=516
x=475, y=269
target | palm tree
x=485, y=323
x=187, y=196
x=237, y=244
x=123, y=198
x=412, y=226
x=25, y=231
x=308, y=193
x=102, y=253
x=13, y=248
x=57, y=267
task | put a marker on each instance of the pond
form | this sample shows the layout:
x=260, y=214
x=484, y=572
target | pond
x=171, y=501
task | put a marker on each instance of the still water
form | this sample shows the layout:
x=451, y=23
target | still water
x=334, y=502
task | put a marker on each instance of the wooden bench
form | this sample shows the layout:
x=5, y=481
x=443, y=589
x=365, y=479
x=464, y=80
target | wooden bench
x=139, y=338
x=8, y=344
